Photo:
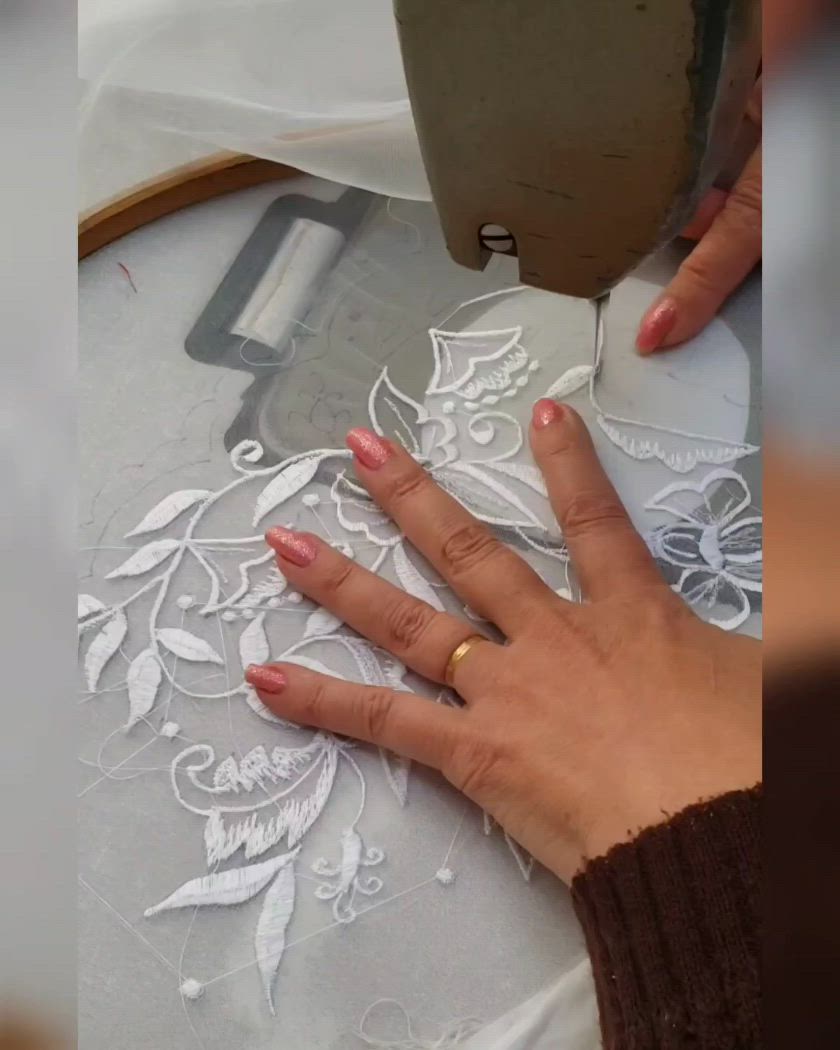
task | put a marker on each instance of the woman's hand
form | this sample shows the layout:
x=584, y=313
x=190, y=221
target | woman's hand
x=594, y=720
x=727, y=228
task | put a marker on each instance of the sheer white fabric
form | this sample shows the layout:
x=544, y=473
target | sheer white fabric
x=317, y=84
x=407, y=902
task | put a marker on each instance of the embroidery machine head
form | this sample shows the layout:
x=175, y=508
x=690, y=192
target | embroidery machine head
x=575, y=135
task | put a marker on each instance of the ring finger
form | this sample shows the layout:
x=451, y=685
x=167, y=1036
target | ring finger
x=421, y=637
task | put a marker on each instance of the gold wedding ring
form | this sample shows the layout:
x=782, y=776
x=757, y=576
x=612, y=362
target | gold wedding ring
x=459, y=655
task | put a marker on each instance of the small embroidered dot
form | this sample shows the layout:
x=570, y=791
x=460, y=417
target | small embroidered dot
x=273, y=603
x=448, y=407
x=170, y=730
x=192, y=989
x=534, y=366
x=228, y=616
x=311, y=499
x=186, y=601
x=471, y=406
x=248, y=614
x=446, y=876
x=522, y=382
x=348, y=552
x=294, y=598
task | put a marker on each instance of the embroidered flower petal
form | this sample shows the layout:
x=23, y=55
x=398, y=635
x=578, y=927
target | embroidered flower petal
x=723, y=495
x=742, y=541
x=712, y=594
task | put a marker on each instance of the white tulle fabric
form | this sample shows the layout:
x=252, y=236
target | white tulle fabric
x=317, y=84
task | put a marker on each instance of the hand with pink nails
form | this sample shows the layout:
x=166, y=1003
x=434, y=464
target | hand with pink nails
x=590, y=721
x=727, y=228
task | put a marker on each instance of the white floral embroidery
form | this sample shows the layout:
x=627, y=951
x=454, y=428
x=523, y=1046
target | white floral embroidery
x=271, y=797
x=717, y=548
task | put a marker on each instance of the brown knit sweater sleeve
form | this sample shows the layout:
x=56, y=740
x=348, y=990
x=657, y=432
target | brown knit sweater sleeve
x=671, y=921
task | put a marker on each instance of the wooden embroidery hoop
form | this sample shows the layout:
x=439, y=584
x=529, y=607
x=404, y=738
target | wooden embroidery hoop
x=178, y=188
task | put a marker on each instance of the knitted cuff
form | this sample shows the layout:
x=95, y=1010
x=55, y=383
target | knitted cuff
x=671, y=921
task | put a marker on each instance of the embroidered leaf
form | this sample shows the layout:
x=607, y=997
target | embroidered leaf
x=393, y=412
x=494, y=492
x=145, y=559
x=88, y=605
x=397, y=771
x=322, y=621
x=168, y=510
x=102, y=648
x=290, y=819
x=227, y=887
x=367, y=660
x=287, y=484
x=524, y=472
x=143, y=680
x=270, y=938
x=570, y=382
x=412, y=581
x=253, y=643
x=187, y=646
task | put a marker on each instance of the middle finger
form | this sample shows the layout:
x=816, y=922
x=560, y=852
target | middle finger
x=487, y=574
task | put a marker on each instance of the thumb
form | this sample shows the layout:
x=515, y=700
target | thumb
x=725, y=255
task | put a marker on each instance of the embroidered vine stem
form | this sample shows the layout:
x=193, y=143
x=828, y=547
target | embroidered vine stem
x=190, y=543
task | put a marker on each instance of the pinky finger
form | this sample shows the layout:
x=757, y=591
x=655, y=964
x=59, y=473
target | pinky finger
x=413, y=727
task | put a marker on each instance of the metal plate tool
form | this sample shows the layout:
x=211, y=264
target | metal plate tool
x=577, y=135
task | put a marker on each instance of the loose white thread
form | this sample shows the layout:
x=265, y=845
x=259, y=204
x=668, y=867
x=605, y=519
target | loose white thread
x=454, y=1035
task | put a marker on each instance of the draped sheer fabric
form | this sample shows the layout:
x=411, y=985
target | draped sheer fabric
x=316, y=84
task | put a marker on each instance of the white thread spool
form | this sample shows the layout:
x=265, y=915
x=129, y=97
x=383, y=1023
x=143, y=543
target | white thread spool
x=284, y=293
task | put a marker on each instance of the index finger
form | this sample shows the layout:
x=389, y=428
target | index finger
x=722, y=259
x=608, y=554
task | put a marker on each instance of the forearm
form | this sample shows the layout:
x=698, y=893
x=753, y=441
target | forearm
x=672, y=925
